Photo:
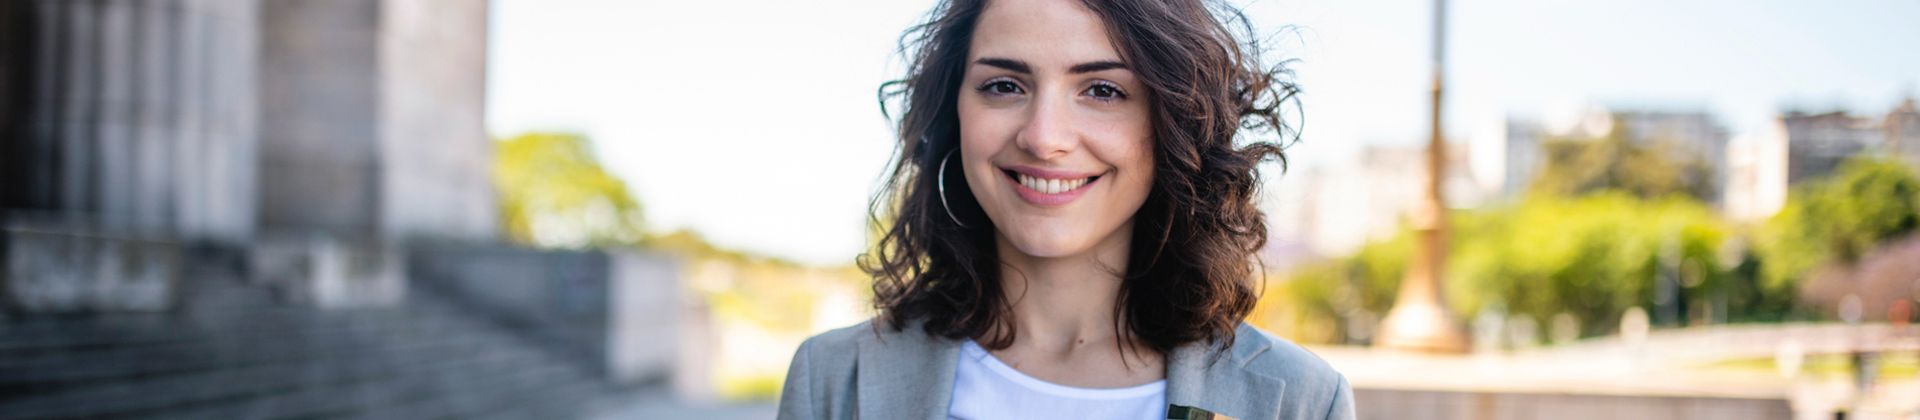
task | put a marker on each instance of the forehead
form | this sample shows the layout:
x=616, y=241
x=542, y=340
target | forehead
x=1046, y=33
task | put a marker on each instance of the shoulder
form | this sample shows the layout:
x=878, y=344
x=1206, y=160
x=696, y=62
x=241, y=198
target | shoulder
x=843, y=340
x=835, y=350
x=1308, y=377
x=820, y=380
x=1268, y=355
x=840, y=348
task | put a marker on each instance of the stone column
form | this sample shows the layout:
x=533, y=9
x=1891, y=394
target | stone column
x=135, y=119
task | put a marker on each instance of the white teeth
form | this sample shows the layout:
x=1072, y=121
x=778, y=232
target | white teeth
x=1050, y=186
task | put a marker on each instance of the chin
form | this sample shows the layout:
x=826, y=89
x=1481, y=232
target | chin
x=1047, y=240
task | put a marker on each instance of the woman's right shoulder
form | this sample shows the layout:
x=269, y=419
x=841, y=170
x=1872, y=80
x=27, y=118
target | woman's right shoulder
x=840, y=341
x=820, y=380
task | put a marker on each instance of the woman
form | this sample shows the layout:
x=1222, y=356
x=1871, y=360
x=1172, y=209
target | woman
x=1075, y=228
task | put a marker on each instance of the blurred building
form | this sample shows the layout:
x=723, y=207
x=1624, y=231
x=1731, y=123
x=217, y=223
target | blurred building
x=1902, y=127
x=283, y=208
x=1818, y=143
x=1340, y=209
x=1690, y=136
x=1756, y=176
x=1510, y=152
x=1520, y=156
x=1799, y=146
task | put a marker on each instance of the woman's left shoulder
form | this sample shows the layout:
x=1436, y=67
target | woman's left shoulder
x=1269, y=355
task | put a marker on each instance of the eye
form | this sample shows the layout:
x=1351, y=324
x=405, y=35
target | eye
x=1000, y=87
x=1105, y=91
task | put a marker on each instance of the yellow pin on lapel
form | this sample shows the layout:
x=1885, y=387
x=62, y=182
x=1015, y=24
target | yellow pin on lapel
x=1181, y=412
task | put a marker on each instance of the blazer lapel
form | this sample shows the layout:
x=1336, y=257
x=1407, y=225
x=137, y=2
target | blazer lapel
x=905, y=374
x=1223, y=386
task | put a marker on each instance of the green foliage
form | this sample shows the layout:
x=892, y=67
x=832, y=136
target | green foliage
x=1592, y=256
x=1583, y=248
x=1319, y=300
x=1838, y=218
x=553, y=192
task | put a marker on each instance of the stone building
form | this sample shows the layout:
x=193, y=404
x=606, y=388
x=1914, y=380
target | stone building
x=283, y=208
x=1818, y=143
x=1902, y=128
x=279, y=127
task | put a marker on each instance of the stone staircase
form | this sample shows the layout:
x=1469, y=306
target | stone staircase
x=236, y=352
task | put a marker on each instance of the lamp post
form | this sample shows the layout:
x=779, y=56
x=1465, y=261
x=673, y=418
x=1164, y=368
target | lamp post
x=1420, y=319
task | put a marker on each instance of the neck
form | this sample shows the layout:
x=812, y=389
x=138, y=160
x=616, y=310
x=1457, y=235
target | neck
x=1065, y=303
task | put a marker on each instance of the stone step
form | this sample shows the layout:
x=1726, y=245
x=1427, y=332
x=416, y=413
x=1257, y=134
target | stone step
x=241, y=346
x=517, y=391
x=571, y=402
x=240, y=337
x=56, y=372
x=120, y=330
x=226, y=294
x=38, y=335
x=327, y=364
x=403, y=371
x=333, y=399
x=426, y=359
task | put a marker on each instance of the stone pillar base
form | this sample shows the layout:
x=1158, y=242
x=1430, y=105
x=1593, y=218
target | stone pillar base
x=74, y=271
x=330, y=272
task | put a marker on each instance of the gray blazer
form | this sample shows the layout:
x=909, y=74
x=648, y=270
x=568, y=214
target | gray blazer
x=863, y=372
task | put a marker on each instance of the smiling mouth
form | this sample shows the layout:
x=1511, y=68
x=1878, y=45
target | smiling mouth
x=1049, y=185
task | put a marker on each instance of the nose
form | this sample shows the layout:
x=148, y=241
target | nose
x=1049, y=133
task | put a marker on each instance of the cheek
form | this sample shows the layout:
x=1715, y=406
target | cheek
x=1137, y=161
x=1131, y=156
x=982, y=128
x=1131, y=150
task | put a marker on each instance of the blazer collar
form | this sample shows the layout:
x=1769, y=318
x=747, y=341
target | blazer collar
x=920, y=368
x=1223, y=385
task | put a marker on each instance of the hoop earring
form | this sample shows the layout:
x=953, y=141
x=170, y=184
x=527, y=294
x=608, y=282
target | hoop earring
x=941, y=181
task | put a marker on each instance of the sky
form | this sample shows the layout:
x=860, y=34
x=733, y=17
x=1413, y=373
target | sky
x=754, y=122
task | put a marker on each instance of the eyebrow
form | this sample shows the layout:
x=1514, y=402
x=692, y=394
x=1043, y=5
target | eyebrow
x=1018, y=66
x=1096, y=66
x=1012, y=65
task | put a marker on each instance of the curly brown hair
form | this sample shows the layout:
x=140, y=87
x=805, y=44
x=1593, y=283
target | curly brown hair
x=1190, y=269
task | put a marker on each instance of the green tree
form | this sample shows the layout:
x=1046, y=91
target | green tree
x=554, y=193
x=1838, y=218
x=1592, y=256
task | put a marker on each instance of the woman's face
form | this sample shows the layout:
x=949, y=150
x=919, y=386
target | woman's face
x=1054, y=128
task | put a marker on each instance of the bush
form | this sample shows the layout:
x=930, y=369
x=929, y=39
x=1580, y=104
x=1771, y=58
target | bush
x=1592, y=257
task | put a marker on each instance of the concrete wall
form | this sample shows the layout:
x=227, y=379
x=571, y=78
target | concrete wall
x=617, y=312
x=1387, y=404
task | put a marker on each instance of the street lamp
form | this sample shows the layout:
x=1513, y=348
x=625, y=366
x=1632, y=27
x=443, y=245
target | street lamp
x=1420, y=319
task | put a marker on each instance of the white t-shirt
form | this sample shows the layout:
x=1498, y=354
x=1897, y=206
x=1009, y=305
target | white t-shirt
x=984, y=388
